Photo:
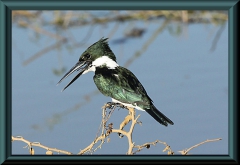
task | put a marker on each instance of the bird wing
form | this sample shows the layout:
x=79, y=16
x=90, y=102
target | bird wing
x=122, y=85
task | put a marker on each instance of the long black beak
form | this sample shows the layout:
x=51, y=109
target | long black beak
x=80, y=66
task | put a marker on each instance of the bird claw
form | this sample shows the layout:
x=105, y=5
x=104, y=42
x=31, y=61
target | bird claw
x=120, y=105
x=112, y=105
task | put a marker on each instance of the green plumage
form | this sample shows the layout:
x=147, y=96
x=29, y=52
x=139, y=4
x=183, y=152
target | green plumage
x=122, y=85
x=98, y=49
x=113, y=80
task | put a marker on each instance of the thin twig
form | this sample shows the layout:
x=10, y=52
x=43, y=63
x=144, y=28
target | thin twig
x=88, y=148
x=185, y=152
x=147, y=145
x=37, y=144
x=102, y=137
x=105, y=134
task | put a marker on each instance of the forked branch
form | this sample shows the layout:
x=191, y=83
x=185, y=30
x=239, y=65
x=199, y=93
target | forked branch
x=106, y=130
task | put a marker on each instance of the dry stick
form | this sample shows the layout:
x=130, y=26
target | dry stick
x=104, y=135
x=146, y=145
x=103, y=124
x=37, y=144
x=88, y=148
x=129, y=133
x=127, y=119
x=185, y=152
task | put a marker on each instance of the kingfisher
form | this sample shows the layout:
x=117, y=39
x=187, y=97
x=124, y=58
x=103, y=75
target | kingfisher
x=114, y=81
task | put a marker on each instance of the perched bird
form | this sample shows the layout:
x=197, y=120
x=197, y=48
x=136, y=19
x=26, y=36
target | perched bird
x=114, y=81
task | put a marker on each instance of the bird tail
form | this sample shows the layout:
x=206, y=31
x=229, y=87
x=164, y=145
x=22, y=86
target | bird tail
x=157, y=115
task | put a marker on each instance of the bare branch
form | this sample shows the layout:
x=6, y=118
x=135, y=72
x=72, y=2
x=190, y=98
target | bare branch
x=185, y=152
x=105, y=133
x=89, y=148
x=147, y=145
x=106, y=130
x=37, y=144
x=102, y=138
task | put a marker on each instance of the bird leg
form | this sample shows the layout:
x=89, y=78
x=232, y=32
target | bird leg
x=110, y=104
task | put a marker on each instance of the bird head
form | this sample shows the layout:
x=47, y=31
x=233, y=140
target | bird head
x=98, y=54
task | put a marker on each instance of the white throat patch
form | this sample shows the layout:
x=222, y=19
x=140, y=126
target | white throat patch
x=101, y=61
x=105, y=60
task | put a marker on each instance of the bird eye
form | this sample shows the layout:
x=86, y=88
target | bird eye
x=87, y=56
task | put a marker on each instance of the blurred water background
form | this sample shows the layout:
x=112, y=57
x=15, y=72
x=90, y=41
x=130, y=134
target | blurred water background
x=180, y=57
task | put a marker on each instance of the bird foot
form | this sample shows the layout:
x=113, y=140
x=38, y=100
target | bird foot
x=113, y=104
